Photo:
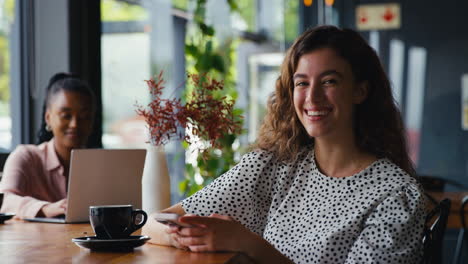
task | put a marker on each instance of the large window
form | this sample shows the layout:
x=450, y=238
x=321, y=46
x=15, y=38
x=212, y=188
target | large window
x=125, y=51
x=139, y=39
x=7, y=8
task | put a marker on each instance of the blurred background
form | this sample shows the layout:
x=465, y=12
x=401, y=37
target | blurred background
x=117, y=44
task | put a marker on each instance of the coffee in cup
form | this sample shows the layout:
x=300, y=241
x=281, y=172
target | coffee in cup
x=116, y=221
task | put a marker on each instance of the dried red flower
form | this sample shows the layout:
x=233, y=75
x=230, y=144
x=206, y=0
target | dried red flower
x=208, y=116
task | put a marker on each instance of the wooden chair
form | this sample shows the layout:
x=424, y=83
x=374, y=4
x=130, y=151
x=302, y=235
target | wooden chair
x=463, y=235
x=436, y=223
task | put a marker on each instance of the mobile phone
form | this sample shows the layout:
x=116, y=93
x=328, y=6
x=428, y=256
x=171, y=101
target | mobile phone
x=170, y=219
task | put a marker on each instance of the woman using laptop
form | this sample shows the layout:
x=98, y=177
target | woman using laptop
x=35, y=176
x=330, y=180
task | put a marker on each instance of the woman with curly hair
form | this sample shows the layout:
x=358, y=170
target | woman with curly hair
x=329, y=180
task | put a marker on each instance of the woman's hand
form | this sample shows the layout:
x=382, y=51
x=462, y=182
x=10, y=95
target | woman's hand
x=55, y=209
x=161, y=234
x=222, y=233
x=173, y=231
x=213, y=233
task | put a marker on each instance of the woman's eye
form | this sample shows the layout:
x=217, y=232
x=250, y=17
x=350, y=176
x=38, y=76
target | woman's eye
x=301, y=84
x=329, y=82
x=65, y=116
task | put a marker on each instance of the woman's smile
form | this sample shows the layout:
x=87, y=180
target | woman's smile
x=72, y=134
x=317, y=114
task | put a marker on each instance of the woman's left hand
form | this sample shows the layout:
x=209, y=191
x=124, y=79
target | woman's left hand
x=213, y=233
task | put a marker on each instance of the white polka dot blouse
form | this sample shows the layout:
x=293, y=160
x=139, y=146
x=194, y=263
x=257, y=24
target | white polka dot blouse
x=374, y=216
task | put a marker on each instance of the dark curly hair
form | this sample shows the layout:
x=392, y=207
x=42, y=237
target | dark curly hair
x=62, y=82
x=378, y=126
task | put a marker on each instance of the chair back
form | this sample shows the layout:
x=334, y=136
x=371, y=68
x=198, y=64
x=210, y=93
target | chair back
x=463, y=235
x=463, y=212
x=434, y=230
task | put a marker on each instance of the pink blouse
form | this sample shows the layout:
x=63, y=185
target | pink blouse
x=32, y=178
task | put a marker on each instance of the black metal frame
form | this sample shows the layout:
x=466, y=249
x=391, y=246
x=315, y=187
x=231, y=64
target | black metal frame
x=434, y=231
x=27, y=74
x=463, y=235
x=85, y=53
x=21, y=100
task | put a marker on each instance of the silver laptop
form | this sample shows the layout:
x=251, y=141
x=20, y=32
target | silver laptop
x=101, y=177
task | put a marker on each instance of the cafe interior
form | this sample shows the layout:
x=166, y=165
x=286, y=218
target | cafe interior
x=116, y=45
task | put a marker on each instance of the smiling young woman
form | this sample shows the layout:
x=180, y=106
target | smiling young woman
x=69, y=117
x=329, y=180
x=325, y=95
x=35, y=176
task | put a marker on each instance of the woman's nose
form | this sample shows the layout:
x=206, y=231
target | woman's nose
x=73, y=122
x=315, y=93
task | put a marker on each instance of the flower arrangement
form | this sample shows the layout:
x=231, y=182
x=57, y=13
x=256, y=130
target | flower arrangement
x=207, y=116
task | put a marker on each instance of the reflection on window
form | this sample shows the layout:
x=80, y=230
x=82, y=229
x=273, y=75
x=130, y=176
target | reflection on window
x=125, y=54
x=415, y=98
x=331, y=16
x=374, y=40
x=7, y=8
x=264, y=70
x=464, y=101
x=396, y=64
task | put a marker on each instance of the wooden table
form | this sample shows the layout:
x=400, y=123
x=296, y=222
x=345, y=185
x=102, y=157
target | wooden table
x=456, y=198
x=26, y=242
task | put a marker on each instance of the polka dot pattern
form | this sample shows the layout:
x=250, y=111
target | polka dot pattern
x=374, y=216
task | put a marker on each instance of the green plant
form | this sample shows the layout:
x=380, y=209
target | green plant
x=208, y=55
x=7, y=9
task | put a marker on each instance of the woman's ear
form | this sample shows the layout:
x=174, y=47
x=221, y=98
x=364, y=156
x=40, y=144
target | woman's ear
x=360, y=92
x=47, y=116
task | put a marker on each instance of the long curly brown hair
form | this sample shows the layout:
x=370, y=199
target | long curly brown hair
x=378, y=126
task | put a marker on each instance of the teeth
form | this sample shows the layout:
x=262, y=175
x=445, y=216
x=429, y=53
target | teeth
x=316, y=113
